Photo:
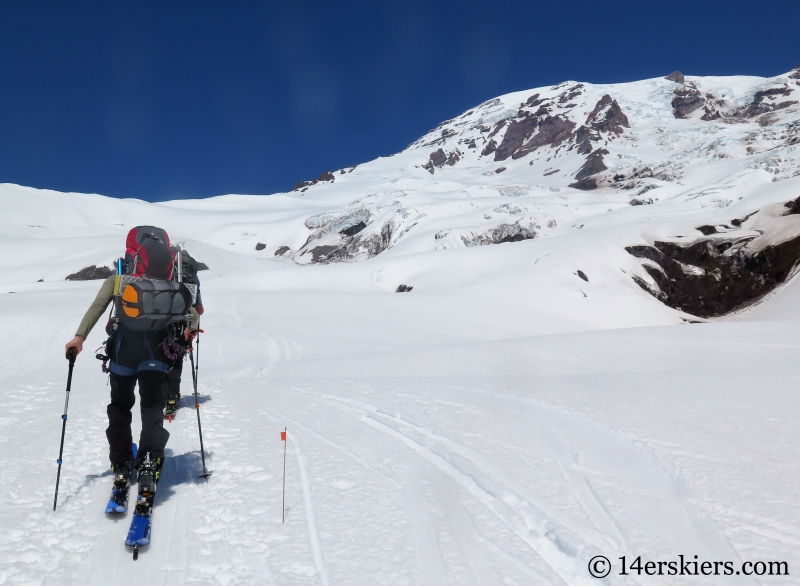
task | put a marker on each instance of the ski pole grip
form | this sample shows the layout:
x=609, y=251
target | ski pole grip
x=72, y=353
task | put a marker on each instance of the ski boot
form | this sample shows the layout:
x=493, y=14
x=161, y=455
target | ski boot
x=122, y=474
x=118, y=503
x=149, y=472
x=172, y=407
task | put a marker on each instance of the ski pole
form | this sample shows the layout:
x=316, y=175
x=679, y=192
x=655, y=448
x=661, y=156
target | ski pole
x=71, y=355
x=205, y=473
x=197, y=369
x=283, y=501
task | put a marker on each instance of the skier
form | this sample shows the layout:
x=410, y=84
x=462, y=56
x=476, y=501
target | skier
x=140, y=354
x=189, y=269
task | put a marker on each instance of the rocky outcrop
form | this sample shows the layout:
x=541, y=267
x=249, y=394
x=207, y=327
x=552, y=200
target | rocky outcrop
x=260, y=246
x=439, y=158
x=795, y=74
x=767, y=101
x=533, y=126
x=631, y=179
x=714, y=276
x=533, y=101
x=584, y=137
x=594, y=164
x=337, y=221
x=404, y=289
x=792, y=207
x=503, y=233
x=343, y=236
x=687, y=99
x=587, y=184
x=607, y=116
x=545, y=122
x=677, y=77
x=354, y=229
x=531, y=132
x=518, y=132
x=354, y=248
x=490, y=147
x=90, y=274
x=570, y=94
x=552, y=131
x=282, y=250
x=326, y=177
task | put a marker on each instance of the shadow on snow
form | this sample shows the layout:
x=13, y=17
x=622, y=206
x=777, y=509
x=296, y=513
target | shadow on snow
x=177, y=470
x=188, y=400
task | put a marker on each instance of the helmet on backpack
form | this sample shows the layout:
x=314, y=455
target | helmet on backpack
x=148, y=253
x=188, y=267
x=188, y=264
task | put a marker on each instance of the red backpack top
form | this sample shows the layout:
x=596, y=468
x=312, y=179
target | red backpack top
x=147, y=252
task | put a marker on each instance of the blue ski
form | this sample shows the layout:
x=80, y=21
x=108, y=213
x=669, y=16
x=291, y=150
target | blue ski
x=139, y=532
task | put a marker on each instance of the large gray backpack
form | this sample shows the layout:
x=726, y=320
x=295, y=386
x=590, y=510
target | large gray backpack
x=149, y=305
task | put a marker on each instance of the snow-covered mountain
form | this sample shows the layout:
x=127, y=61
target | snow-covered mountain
x=471, y=343
x=671, y=161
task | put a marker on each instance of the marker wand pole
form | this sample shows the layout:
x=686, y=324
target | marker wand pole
x=283, y=501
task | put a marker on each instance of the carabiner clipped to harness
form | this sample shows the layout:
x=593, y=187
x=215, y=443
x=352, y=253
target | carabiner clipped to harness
x=172, y=350
x=100, y=356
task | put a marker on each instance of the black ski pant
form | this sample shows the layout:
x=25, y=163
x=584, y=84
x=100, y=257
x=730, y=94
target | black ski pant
x=174, y=378
x=153, y=395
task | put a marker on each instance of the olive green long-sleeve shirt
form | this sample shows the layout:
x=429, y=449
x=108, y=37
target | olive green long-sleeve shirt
x=97, y=308
x=100, y=304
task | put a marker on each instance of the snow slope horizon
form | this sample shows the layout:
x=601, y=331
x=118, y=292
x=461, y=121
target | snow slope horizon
x=503, y=422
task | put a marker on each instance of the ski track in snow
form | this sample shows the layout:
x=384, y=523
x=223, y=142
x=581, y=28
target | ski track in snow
x=313, y=533
x=523, y=525
x=491, y=468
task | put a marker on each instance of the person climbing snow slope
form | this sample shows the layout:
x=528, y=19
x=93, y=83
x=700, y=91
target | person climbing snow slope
x=141, y=347
x=189, y=273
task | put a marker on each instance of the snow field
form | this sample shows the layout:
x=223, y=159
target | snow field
x=415, y=456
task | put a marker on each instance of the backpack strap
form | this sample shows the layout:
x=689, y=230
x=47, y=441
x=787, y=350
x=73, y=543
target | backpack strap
x=115, y=367
x=151, y=364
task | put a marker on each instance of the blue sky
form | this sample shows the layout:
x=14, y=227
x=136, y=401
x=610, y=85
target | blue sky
x=176, y=99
